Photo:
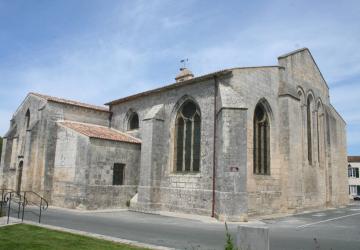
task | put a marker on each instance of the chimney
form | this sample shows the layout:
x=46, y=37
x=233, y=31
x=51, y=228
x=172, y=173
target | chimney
x=185, y=74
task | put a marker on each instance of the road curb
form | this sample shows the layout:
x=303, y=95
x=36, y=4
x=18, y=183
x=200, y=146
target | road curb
x=3, y=221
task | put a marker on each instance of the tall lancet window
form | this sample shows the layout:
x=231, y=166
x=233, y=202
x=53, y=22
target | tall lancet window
x=187, y=138
x=261, y=141
x=320, y=131
x=27, y=119
x=309, y=126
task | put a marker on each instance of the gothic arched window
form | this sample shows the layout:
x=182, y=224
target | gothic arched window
x=309, y=126
x=133, y=121
x=27, y=119
x=187, y=138
x=319, y=131
x=261, y=141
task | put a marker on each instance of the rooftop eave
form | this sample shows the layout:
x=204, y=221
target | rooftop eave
x=126, y=137
x=69, y=102
x=353, y=158
x=171, y=86
x=80, y=106
x=293, y=52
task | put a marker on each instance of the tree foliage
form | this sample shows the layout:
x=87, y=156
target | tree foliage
x=1, y=142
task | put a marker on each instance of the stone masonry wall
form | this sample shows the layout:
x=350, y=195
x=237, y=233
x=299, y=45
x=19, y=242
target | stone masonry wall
x=36, y=145
x=18, y=144
x=65, y=168
x=310, y=184
x=255, y=85
x=191, y=192
x=103, y=154
x=83, y=172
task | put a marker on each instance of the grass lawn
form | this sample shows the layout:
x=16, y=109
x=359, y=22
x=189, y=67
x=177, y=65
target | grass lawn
x=23, y=236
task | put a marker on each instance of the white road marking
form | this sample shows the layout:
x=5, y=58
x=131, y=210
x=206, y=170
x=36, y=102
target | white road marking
x=318, y=222
x=319, y=215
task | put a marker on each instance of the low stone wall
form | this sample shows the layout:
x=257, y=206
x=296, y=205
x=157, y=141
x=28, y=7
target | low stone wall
x=100, y=197
x=182, y=200
x=94, y=197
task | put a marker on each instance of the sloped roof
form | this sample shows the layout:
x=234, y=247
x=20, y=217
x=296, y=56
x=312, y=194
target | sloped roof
x=100, y=132
x=193, y=80
x=354, y=158
x=171, y=86
x=70, y=102
x=293, y=52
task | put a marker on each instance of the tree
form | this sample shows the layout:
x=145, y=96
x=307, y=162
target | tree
x=1, y=141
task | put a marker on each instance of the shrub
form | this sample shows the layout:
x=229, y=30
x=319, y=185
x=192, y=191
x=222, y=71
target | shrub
x=229, y=240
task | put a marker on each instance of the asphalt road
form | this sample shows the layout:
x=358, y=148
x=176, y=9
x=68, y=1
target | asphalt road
x=336, y=229
x=332, y=229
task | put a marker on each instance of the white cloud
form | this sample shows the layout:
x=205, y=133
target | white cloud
x=131, y=49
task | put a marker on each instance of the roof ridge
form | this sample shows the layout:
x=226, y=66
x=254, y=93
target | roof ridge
x=99, y=131
x=101, y=126
x=170, y=86
x=293, y=52
x=188, y=81
x=70, y=102
x=84, y=123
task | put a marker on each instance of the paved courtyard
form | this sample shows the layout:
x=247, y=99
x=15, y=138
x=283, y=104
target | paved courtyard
x=330, y=229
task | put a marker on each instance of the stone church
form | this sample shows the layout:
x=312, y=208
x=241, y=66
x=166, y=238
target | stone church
x=232, y=144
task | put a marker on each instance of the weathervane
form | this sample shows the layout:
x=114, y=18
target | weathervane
x=184, y=61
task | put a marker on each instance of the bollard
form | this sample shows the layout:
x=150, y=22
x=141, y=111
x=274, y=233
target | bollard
x=253, y=237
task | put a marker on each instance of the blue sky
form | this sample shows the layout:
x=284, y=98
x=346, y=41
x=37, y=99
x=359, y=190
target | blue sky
x=96, y=51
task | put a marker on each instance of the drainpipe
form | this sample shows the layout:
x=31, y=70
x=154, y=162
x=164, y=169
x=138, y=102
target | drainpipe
x=214, y=145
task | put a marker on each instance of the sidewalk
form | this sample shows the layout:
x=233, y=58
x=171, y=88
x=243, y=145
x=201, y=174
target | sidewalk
x=3, y=221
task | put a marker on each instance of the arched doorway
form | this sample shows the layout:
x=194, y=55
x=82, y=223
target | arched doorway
x=19, y=177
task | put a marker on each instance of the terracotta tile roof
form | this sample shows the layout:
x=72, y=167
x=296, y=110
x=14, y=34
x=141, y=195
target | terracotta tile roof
x=70, y=102
x=100, y=132
x=353, y=158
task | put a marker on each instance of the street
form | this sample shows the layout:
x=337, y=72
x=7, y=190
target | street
x=331, y=229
